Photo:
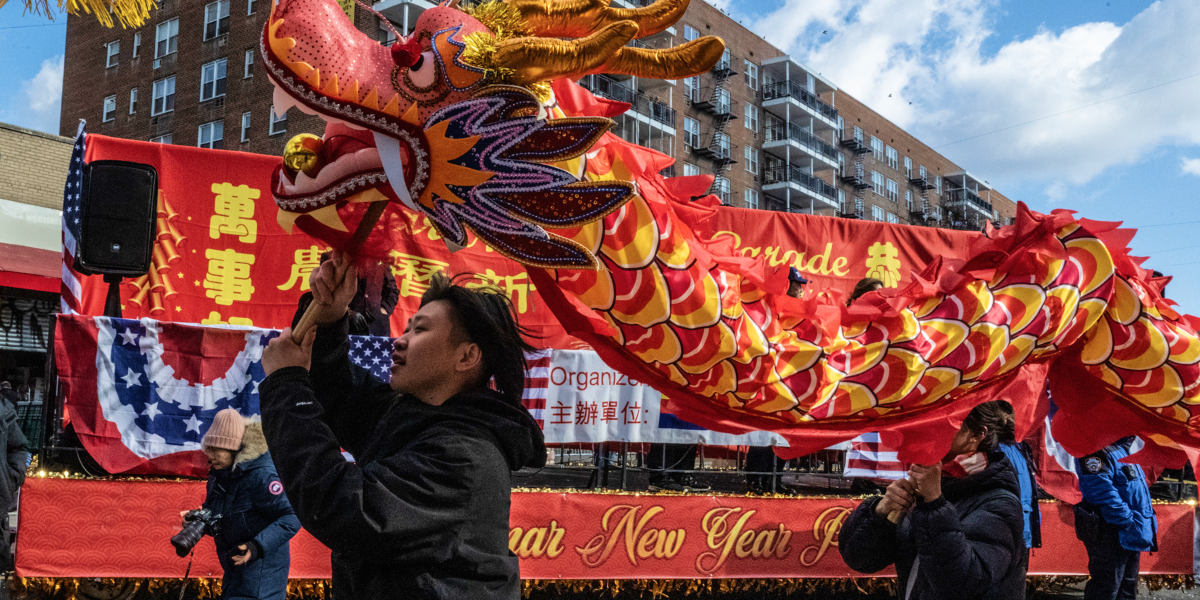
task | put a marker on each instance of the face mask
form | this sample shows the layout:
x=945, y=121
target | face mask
x=972, y=463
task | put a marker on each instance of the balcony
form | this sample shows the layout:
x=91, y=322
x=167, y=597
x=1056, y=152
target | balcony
x=926, y=212
x=713, y=102
x=921, y=183
x=716, y=147
x=780, y=136
x=805, y=188
x=856, y=178
x=796, y=92
x=606, y=87
x=855, y=146
x=962, y=199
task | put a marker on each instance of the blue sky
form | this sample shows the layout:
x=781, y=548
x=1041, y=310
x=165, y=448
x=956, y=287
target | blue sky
x=968, y=68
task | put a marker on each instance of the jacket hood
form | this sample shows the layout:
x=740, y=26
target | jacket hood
x=254, y=443
x=519, y=438
x=998, y=475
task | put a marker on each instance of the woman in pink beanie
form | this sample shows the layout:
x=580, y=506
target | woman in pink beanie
x=256, y=519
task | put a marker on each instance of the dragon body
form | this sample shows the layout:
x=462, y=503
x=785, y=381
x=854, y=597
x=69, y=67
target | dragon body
x=458, y=122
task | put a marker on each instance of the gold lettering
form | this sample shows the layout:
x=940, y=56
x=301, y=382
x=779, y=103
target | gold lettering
x=639, y=541
x=825, y=532
x=536, y=542
x=839, y=266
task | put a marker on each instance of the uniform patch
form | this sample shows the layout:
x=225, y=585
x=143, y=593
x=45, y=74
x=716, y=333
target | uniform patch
x=275, y=488
x=1093, y=465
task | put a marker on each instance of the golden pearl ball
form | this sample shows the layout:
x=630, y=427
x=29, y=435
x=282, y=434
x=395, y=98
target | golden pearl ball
x=303, y=153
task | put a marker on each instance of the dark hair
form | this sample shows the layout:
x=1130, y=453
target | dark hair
x=864, y=285
x=485, y=317
x=995, y=420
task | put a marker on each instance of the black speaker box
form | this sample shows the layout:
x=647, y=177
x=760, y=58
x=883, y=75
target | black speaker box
x=120, y=218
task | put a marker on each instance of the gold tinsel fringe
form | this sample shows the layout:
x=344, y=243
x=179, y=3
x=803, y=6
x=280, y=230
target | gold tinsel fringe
x=505, y=23
x=109, y=588
x=131, y=13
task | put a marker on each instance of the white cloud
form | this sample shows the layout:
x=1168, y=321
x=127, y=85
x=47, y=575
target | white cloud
x=39, y=105
x=930, y=53
x=1191, y=166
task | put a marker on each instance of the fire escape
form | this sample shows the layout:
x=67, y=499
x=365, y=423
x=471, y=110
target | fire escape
x=925, y=211
x=857, y=175
x=717, y=103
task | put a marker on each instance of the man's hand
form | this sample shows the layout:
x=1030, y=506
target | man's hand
x=283, y=352
x=329, y=298
x=928, y=480
x=900, y=495
x=246, y=556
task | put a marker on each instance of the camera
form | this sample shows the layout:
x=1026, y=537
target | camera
x=196, y=523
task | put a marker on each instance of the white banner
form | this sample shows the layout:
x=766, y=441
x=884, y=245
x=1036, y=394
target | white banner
x=587, y=401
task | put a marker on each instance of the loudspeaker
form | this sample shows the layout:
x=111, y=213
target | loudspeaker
x=120, y=218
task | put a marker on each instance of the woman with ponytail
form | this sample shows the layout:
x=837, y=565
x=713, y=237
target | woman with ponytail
x=960, y=530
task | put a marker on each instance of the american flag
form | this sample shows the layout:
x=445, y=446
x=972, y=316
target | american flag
x=72, y=213
x=867, y=457
x=375, y=355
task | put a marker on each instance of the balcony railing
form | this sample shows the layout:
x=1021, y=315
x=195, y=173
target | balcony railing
x=780, y=132
x=967, y=197
x=613, y=90
x=784, y=89
x=793, y=175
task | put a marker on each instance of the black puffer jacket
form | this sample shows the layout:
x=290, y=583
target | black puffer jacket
x=970, y=541
x=423, y=513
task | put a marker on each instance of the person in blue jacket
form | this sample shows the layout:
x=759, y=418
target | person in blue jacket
x=1115, y=521
x=256, y=519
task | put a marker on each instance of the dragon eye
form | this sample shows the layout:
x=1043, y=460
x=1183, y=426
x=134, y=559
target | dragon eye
x=423, y=73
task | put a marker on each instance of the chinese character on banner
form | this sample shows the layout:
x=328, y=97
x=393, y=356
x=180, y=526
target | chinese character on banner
x=305, y=261
x=631, y=413
x=516, y=286
x=586, y=415
x=562, y=413
x=228, y=277
x=608, y=412
x=234, y=208
x=414, y=272
x=214, y=318
x=883, y=263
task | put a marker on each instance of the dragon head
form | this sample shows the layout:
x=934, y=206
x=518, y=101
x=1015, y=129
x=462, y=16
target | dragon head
x=451, y=121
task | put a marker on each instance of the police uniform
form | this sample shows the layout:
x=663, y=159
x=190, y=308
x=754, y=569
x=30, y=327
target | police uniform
x=1115, y=521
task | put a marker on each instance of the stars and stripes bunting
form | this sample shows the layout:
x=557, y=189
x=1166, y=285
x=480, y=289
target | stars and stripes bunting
x=72, y=212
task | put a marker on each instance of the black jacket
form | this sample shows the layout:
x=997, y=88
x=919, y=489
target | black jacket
x=970, y=540
x=13, y=442
x=253, y=510
x=423, y=513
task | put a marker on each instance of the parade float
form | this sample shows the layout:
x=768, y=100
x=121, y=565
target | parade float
x=466, y=148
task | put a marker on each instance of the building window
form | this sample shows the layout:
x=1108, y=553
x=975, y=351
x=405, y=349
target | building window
x=162, y=139
x=724, y=63
x=841, y=127
x=938, y=183
x=751, y=75
x=858, y=134
x=691, y=132
x=721, y=141
x=112, y=51
x=877, y=148
x=721, y=189
x=137, y=44
x=690, y=33
x=841, y=163
x=389, y=34
x=166, y=38
x=893, y=191
x=690, y=170
x=162, y=99
x=877, y=182
x=691, y=88
x=924, y=173
x=211, y=135
x=842, y=201
x=893, y=160
x=110, y=108
x=751, y=118
x=249, y=7
x=249, y=61
x=132, y=101
x=891, y=218
x=751, y=198
x=246, y=126
x=908, y=167
x=877, y=214
x=212, y=80
x=751, y=156
x=216, y=19
x=278, y=123
x=722, y=101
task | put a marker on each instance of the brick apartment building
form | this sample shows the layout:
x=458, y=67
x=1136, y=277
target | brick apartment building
x=776, y=135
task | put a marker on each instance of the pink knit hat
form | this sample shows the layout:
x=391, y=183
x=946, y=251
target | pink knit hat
x=226, y=430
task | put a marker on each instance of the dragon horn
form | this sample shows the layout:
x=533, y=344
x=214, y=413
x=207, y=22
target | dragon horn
x=692, y=58
x=578, y=18
x=534, y=59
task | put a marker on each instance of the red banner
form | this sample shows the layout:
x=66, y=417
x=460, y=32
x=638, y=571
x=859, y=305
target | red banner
x=222, y=257
x=92, y=528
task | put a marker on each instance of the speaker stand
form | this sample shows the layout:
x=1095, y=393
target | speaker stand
x=112, y=303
